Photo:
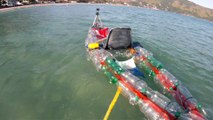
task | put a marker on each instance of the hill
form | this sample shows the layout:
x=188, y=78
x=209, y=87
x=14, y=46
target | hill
x=178, y=6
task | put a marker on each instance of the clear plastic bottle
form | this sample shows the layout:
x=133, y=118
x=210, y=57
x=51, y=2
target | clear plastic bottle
x=186, y=98
x=148, y=111
x=158, y=98
x=190, y=116
x=173, y=108
x=134, y=81
x=91, y=38
x=157, y=80
x=137, y=59
x=169, y=76
x=143, y=52
x=98, y=56
x=133, y=99
x=93, y=56
x=166, y=104
x=185, y=117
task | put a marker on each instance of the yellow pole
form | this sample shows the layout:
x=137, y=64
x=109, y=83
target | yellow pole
x=112, y=104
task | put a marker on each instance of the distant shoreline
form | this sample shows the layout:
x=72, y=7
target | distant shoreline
x=52, y=4
x=33, y=5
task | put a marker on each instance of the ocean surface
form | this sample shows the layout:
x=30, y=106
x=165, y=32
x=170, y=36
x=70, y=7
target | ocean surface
x=45, y=75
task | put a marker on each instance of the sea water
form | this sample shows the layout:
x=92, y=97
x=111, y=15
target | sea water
x=45, y=75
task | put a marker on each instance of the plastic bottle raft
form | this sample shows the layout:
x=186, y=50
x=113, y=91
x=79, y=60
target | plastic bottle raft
x=153, y=104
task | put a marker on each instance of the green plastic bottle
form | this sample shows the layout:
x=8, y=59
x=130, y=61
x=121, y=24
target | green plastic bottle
x=154, y=62
x=114, y=65
x=148, y=70
x=111, y=77
x=109, y=60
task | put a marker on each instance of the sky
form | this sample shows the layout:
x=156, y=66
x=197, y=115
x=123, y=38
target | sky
x=205, y=3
